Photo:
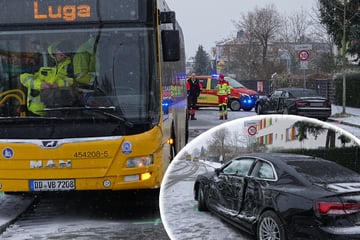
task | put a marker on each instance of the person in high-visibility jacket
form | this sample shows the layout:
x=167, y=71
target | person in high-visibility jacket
x=223, y=91
x=84, y=64
x=47, y=78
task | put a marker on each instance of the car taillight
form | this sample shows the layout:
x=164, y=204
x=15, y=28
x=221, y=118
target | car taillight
x=300, y=103
x=327, y=103
x=337, y=208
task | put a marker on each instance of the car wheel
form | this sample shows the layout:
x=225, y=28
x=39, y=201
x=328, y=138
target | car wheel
x=235, y=105
x=258, y=109
x=270, y=227
x=201, y=199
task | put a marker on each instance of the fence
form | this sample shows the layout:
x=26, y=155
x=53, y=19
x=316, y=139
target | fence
x=324, y=87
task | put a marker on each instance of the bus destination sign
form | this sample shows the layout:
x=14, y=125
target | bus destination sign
x=65, y=11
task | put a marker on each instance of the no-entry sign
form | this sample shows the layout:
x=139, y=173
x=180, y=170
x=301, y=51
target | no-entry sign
x=252, y=130
x=303, y=55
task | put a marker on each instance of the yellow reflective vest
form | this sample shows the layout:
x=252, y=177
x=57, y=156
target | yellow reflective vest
x=223, y=88
x=33, y=82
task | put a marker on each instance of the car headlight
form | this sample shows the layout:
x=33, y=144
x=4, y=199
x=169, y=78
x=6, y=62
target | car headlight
x=139, y=161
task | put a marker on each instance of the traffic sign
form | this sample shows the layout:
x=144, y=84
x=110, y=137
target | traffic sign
x=303, y=55
x=303, y=47
x=304, y=64
x=252, y=130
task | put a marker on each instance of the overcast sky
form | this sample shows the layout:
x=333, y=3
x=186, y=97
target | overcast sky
x=205, y=22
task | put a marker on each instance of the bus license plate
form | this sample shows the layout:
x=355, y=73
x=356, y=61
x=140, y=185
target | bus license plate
x=52, y=185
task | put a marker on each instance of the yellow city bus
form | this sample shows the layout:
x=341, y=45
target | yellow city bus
x=118, y=133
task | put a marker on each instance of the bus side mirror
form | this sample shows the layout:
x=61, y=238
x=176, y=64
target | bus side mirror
x=170, y=45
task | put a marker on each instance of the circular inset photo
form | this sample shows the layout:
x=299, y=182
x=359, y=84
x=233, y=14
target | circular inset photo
x=265, y=177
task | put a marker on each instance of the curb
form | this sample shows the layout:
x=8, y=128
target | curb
x=337, y=120
x=12, y=206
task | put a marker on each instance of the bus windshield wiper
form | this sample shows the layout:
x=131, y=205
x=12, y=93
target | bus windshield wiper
x=102, y=110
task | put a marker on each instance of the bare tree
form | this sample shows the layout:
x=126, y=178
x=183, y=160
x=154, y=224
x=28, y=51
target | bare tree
x=295, y=27
x=318, y=32
x=238, y=143
x=294, y=30
x=260, y=26
x=267, y=23
x=217, y=145
x=244, y=61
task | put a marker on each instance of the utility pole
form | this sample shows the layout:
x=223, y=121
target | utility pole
x=343, y=58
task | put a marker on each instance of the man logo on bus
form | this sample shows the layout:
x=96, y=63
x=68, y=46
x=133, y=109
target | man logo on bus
x=66, y=12
x=50, y=164
x=49, y=144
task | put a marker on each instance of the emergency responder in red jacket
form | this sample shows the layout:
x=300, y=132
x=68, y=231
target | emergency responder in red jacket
x=193, y=87
x=224, y=91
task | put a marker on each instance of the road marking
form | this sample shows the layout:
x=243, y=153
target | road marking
x=156, y=221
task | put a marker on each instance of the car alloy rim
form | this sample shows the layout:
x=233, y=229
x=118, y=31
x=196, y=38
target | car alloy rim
x=235, y=105
x=269, y=230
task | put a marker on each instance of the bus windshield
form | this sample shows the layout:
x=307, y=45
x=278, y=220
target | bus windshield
x=121, y=83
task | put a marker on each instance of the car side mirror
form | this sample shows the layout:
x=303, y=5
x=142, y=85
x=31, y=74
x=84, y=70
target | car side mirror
x=217, y=171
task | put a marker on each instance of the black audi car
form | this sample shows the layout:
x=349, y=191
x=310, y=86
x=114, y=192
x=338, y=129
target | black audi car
x=296, y=101
x=283, y=196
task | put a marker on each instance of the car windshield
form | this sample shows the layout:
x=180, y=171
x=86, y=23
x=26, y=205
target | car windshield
x=324, y=171
x=234, y=83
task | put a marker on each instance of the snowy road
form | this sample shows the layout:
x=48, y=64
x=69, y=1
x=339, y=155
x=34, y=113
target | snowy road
x=183, y=219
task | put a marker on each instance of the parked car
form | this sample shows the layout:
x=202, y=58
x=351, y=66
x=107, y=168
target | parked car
x=283, y=196
x=296, y=101
x=241, y=97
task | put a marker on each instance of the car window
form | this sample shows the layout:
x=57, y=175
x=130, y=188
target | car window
x=203, y=82
x=239, y=167
x=263, y=170
x=323, y=171
x=213, y=83
x=304, y=93
x=233, y=83
x=276, y=93
x=285, y=94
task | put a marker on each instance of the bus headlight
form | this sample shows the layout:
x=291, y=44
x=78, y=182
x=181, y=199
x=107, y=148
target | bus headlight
x=139, y=161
